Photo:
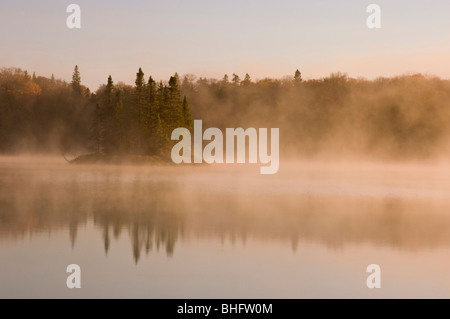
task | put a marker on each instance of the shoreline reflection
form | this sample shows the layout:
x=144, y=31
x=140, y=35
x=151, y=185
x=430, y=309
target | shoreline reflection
x=157, y=213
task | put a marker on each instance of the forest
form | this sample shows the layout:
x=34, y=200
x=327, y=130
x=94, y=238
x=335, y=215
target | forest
x=336, y=116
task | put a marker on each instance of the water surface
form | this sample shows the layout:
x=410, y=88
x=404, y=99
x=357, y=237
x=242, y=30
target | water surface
x=223, y=231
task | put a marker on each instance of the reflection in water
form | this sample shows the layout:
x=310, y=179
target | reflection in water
x=147, y=211
x=160, y=206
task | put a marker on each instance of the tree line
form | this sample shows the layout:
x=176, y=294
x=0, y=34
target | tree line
x=39, y=114
x=401, y=117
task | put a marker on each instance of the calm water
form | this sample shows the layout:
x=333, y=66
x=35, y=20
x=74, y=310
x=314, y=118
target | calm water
x=220, y=231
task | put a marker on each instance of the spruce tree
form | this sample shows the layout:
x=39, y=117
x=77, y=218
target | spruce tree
x=76, y=81
x=109, y=89
x=109, y=118
x=247, y=80
x=139, y=105
x=225, y=79
x=151, y=90
x=140, y=81
x=150, y=116
x=187, y=117
x=297, y=77
x=236, y=80
x=175, y=118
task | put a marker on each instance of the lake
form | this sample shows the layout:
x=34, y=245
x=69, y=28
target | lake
x=223, y=231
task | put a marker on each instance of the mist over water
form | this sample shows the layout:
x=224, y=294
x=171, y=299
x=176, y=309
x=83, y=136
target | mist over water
x=350, y=171
x=223, y=215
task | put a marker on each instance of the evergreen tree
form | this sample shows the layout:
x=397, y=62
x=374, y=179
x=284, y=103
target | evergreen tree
x=297, y=77
x=139, y=105
x=76, y=81
x=247, y=80
x=109, y=117
x=161, y=100
x=174, y=116
x=151, y=90
x=140, y=81
x=236, y=80
x=150, y=113
x=225, y=79
x=187, y=117
x=109, y=90
x=160, y=96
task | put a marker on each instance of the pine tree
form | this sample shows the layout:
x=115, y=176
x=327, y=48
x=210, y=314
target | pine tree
x=187, y=117
x=247, y=80
x=160, y=96
x=174, y=107
x=225, y=79
x=139, y=101
x=236, y=80
x=76, y=81
x=34, y=77
x=150, y=113
x=151, y=90
x=297, y=77
x=109, y=119
x=109, y=90
x=140, y=81
x=159, y=132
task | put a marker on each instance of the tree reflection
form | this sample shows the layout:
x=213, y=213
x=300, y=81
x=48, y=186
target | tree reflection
x=157, y=214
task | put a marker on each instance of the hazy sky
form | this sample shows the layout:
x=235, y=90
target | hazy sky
x=210, y=38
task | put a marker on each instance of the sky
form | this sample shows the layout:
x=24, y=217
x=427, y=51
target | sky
x=210, y=38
